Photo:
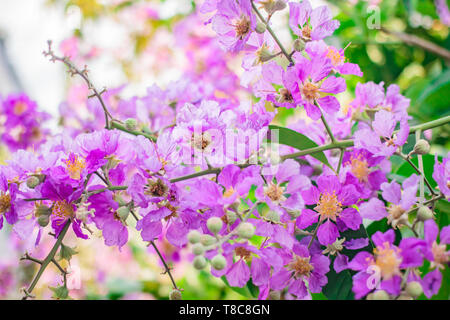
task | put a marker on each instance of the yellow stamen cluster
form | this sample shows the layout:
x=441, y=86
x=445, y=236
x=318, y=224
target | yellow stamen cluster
x=388, y=260
x=75, y=166
x=440, y=255
x=5, y=202
x=19, y=108
x=62, y=209
x=242, y=27
x=328, y=206
x=360, y=168
x=300, y=266
x=335, y=56
x=274, y=192
x=310, y=92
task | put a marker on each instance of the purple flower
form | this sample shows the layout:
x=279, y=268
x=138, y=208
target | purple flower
x=314, y=85
x=333, y=208
x=234, y=22
x=383, y=126
x=287, y=180
x=301, y=267
x=382, y=270
x=337, y=58
x=372, y=96
x=106, y=219
x=437, y=254
x=359, y=170
x=311, y=24
x=441, y=174
x=63, y=208
x=7, y=201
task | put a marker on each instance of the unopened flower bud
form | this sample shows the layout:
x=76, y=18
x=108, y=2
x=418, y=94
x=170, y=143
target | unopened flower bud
x=424, y=213
x=260, y=27
x=273, y=216
x=43, y=220
x=123, y=212
x=194, y=236
x=198, y=249
x=231, y=217
x=131, y=124
x=293, y=213
x=199, y=262
x=207, y=240
x=246, y=230
x=175, y=294
x=380, y=295
x=219, y=262
x=421, y=147
x=33, y=182
x=299, y=45
x=214, y=224
x=119, y=200
x=42, y=210
x=414, y=289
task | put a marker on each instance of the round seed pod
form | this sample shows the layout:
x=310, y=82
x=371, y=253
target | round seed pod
x=219, y=262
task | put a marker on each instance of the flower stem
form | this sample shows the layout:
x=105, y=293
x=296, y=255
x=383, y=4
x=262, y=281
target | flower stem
x=274, y=36
x=47, y=260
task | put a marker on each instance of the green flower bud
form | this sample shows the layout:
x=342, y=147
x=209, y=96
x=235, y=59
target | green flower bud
x=273, y=216
x=424, y=213
x=231, y=217
x=414, y=289
x=119, y=200
x=421, y=147
x=207, y=240
x=219, y=262
x=214, y=224
x=123, y=213
x=131, y=124
x=199, y=262
x=246, y=230
x=198, y=249
x=380, y=295
x=42, y=210
x=194, y=236
x=175, y=294
x=260, y=27
x=299, y=45
x=33, y=182
x=43, y=221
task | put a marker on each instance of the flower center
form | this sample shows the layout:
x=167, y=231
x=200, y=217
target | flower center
x=229, y=192
x=285, y=96
x=335, y=57
x=328, y=206
x=242, y=27
x=395, y=211
x=5, y=202
x=156, y=188
x=388, y=260
x=310, y=92
x=63, y=209
x=201, y=141
x=360, y=168
x=274, y=192
x=243, y=252
x=300, y=266
x=441, y=257
x=75, y=166
x=19, y=108
x=306, y=32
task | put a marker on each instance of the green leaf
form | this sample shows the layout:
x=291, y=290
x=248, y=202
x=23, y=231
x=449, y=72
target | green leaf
x=432, y=102
x=299, y=141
